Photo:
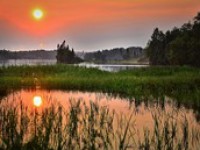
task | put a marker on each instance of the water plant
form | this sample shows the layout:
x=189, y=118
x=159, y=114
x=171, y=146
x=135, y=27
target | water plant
x=88, y=125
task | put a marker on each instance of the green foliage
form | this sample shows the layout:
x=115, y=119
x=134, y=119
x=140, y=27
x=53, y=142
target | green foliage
x=156, y=49
x=138, y=82
x=180, y=46
x=65, y=55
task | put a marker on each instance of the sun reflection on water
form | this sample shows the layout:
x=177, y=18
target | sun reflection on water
x=42, y=109
x=37, y=101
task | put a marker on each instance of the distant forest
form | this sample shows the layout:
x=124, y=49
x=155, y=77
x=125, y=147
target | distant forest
x=35, y=54
x=116, y=54
x=65, y=56
x=179, y=46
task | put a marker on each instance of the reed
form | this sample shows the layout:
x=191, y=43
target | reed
x=88, y=126
x=178, y=82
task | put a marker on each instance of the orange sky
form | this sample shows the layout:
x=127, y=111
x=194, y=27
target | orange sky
x=89, y=24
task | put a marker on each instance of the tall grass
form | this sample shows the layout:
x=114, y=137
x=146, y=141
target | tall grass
x=89, y=126
x=156, y=81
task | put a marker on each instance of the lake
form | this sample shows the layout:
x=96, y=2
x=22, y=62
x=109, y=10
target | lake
x=111, y=67
x=31, y=62
x=104, y=67
x=101, y=120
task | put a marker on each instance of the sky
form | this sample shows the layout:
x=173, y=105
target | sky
x=89, y=25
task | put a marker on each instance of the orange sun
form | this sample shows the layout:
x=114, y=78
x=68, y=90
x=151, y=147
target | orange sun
x=38, y=14
x=37, y=101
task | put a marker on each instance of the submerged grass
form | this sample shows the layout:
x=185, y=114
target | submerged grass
x=88, y=126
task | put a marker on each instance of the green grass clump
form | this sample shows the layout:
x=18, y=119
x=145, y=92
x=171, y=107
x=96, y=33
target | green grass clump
x=80, y=78
x=180, y=83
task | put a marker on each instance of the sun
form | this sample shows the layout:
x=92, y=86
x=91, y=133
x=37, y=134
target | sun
x=37, y=101
x=38, y=14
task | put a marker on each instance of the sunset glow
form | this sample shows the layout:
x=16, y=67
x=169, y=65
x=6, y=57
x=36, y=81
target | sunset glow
x=38, y=14
x=88, y=25
x=37, y=101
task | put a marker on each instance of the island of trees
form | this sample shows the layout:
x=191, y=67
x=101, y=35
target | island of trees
x=65, y=55
x=179, y=46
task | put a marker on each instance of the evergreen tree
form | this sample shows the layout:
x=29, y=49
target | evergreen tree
x=65, y=55
x=156, y=48
x=180, y=46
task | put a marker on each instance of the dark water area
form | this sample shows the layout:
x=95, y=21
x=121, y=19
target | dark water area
x=154, y=116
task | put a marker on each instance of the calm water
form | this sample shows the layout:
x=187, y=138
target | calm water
x=31, y=62
x=142, y=111
x=143, y=115
x=111, y=68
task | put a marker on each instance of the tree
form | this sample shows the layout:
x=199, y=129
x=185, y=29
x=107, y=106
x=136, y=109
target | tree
x=156, y=48
x=65, y=55
x=180, y=46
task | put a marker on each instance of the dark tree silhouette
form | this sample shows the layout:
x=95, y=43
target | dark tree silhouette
x=156, y=48
x=65, y=55
x=180, y=46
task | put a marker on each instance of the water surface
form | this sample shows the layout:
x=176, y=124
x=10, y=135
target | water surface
x=111, y=67
x=32, y=62
x=143, y=115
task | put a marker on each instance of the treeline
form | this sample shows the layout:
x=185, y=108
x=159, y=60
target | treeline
x=35, y=54
x=116, y=54
x=179, y=46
